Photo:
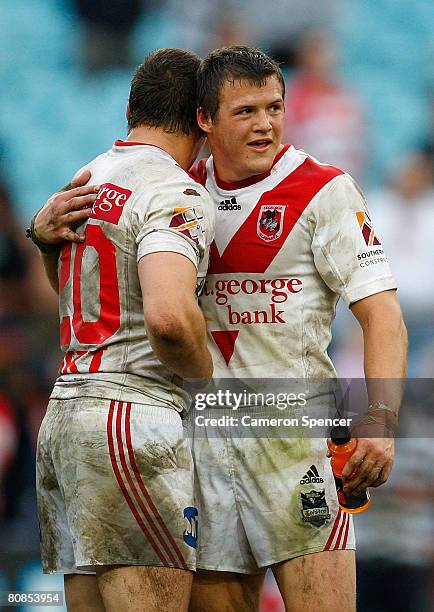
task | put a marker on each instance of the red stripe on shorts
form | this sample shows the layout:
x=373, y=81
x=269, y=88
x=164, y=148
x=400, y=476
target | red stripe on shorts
x=145, y=492
x=344, y=543
x=134, y=488
x=122, y=485
x=341, y=531
x=332, y=534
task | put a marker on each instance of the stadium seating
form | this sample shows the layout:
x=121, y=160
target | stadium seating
x=64, y=117
x=387, y=49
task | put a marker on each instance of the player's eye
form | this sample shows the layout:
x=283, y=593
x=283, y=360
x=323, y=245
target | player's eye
x=244, y=111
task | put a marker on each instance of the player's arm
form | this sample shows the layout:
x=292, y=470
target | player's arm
x=385, y=352
x=49, y=261
x=343, y=241
x=174, y=321
x=54, y=222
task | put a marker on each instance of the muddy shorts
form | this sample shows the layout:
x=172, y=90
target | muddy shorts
x=114, y=486
x=262, y=501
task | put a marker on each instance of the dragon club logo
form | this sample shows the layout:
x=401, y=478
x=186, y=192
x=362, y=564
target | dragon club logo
x=270, y=221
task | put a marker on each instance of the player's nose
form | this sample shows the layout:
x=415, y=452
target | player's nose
x=263, y=123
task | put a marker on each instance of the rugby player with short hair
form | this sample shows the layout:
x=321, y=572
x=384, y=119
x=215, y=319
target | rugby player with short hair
x=114, y=470
x=291, y=237
x=281, y=258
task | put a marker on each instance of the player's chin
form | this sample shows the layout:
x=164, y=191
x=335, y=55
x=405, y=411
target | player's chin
x=260, y=163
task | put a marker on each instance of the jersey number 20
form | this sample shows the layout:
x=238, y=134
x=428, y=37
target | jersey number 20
x=91, y=332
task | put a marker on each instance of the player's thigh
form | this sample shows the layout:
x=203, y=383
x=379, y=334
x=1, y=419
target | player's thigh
x=325, y=580
x=144, y=589
x=228, y=591
x=82, y=593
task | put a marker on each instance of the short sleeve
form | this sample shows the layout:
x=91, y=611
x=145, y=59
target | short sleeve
x=180, y=220
x=347, y=250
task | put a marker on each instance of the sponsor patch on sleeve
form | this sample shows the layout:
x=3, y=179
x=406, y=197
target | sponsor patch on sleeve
x=366, y=228
x=187, y=221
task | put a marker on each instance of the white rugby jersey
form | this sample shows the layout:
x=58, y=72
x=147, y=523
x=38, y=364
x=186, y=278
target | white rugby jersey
x=146, y=204
x=288, y=244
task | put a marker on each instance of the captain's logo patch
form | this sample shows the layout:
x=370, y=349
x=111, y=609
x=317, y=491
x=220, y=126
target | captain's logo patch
x=270, y=221
x=314, y=508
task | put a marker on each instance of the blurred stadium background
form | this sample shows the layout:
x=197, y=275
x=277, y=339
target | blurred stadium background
x=360, y=77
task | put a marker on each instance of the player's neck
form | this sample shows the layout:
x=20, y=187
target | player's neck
x=183, y=148
x=229, y=174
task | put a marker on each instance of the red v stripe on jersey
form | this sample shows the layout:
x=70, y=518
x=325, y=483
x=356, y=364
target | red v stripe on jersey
x=225, y=340
x=247, y=252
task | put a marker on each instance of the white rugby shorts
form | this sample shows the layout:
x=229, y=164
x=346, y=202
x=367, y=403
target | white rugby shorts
x=114, y=487
x=262, y=501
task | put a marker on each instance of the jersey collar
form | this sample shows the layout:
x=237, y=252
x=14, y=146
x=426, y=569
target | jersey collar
x=130, y=143
x=252, y=179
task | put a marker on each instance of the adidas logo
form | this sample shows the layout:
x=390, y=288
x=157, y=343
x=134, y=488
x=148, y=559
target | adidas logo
x=311, y=476
x=229, y=205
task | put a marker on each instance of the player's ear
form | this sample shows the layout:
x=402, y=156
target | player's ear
x=204, y=120
x=128, y=111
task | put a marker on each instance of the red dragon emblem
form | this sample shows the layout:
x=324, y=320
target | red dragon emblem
x=270, y=221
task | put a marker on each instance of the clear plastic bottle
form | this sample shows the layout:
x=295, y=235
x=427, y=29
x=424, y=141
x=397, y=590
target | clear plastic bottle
x=341, y=447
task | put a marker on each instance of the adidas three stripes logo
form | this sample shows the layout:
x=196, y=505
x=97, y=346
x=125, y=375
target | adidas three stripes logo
x=311, y=476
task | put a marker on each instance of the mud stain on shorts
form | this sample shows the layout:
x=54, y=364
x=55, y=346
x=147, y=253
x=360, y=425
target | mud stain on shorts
x=49, y=482
x=154, y=458
x=50, y=535
x=268, y=456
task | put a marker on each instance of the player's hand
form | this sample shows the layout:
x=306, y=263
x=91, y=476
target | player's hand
x=66, y=209
x=369, y=465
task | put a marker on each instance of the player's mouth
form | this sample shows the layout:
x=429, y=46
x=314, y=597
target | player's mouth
x=260, y=145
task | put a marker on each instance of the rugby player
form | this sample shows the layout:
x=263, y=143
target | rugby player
x=114, y=471
x=292, y=237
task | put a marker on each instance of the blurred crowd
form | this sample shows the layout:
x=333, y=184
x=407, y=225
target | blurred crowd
x=330, y=119
x=28, y=355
